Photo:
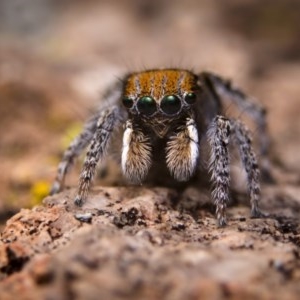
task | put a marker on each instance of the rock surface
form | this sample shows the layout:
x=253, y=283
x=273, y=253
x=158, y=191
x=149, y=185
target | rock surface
x=142, y=243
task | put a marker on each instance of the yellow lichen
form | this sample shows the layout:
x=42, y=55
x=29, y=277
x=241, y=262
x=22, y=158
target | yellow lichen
x=39, y=191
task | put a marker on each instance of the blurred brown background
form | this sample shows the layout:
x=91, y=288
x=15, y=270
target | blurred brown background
x=57, y=56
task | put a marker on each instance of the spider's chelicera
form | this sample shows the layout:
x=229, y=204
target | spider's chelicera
x=178, y=108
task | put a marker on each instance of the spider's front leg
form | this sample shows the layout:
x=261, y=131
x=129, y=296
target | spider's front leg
x=219, y=86
x=183, y=151
x=218, y=137
x=75, y=148
x=105, y=125
x=136, y=153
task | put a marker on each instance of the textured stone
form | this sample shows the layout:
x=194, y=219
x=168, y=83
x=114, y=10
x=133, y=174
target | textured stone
x=138, y=244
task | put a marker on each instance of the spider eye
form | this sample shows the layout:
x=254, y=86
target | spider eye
x=146, y=105
x=190, y=98
x=127, y=102
x=170, y=104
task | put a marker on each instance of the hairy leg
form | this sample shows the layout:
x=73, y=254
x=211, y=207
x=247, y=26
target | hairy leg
x=73, y=151
x=136, y=153
x=218, y=137
x=105, y=125
x=242, y=137
x=223, y=88
x=183, y=151
x=111, y=96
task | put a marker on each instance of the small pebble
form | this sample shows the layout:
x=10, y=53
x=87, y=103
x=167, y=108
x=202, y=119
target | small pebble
x=85, y=217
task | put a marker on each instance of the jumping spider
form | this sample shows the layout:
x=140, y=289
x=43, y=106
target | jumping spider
x=170, y=111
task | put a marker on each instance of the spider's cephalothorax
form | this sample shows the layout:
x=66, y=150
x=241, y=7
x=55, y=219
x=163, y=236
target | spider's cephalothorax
x=179, y=108
x=158, y=98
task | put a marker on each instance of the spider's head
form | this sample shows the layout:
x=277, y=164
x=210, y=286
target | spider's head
x=158, y=98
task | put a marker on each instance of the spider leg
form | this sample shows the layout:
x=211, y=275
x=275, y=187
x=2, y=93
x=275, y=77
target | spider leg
x=218, y=138
x=219, y=86
x=111, y=96
x=182, y=151
x=136, y=153
x=242, y=138
x=105, y=125
x=73, y=151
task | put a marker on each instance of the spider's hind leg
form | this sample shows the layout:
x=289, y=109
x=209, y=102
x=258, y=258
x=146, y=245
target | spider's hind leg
x=243, y=140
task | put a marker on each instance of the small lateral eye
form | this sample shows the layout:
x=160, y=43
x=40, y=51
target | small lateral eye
x=146, y=105
x=127, y=102
x=190, y=98
x=170, y=104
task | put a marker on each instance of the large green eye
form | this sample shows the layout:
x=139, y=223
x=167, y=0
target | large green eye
x=146, y=105
x=170, y=104
x=127, y=102
x=190, y=98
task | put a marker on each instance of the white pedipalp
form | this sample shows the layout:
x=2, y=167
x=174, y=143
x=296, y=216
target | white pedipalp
x=136, y=154
x=183, y=152
x=194, y=144
x=125, y=148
